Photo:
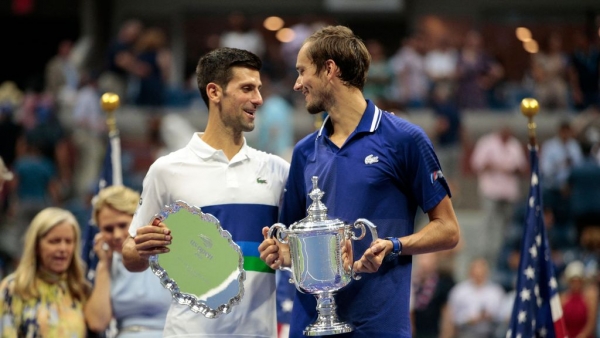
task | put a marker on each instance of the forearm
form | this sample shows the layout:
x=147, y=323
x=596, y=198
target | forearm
x=435, y=236
x=131, y=258
x=98, y=311
x=441, y=233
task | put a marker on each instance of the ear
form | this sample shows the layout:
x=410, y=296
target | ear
x=331, y=69
x=214, y=92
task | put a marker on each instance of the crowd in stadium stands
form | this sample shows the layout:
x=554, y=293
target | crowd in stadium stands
x=53, y=140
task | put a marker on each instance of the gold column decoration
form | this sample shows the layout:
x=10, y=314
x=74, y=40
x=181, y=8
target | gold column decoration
x=110, y=102
x=530, y=108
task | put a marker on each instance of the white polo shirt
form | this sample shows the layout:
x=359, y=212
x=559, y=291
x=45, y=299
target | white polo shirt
x=244, y=194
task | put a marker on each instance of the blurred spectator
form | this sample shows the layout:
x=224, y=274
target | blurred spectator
x=586, y=127
x=62, y=76
x=36, y=187
x=499, y=161
x=307, y=25
x=241, y=35
x=10, y=100
x=584, y=71
x=5, y=174
x=5, y=257
x=120, y=60
x=477, y=73
x=441, y=63
x=118, y=293
x=50, y=137
x=45, y=295
x=36, y=106
x=380, y=76
x=579, y=302
x=549, y=69
x=473, y=304
x=431, y=288
x=448, y=133
x=558, y=156
x=275, y=122
x=505, y=309
x=584, y=194
x=88, y=135
x=411, y=83
x=274, y=66
x=154, y=62
x=174, y=133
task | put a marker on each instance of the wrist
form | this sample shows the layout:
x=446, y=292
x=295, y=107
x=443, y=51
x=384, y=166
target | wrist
x=396, y=247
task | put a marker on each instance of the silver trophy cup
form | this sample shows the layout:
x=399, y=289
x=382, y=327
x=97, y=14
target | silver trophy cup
x=321, y=251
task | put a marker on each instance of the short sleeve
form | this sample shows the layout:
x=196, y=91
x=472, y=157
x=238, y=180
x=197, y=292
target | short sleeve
x=428, y=185
x=151, y=198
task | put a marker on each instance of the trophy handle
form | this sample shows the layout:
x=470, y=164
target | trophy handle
x=360, y=223
x=278, y=231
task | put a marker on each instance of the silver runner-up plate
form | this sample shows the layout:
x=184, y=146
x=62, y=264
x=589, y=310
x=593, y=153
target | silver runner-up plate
x=204, y=268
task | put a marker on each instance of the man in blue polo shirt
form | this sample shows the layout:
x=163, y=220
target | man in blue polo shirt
x=371, y=164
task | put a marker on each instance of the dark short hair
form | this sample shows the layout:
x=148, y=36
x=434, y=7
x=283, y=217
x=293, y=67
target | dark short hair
x=216, y=65
x=348, y=51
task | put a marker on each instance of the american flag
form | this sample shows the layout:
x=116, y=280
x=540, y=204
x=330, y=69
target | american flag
x=285, y=294
x=111, y=174
x=537, y=311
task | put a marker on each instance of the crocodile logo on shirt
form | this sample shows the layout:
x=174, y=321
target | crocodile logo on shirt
x=260, y=181
x=371, y=159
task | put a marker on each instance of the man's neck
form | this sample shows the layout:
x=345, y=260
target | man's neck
x=346, y=115
x=221, y=138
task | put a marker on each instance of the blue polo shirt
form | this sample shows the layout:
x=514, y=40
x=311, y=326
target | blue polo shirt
x=383, y=172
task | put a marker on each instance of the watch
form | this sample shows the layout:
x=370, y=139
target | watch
x=396, y=249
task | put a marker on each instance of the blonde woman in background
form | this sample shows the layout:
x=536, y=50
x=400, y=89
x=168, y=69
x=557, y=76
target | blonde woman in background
x=137, y=301
x=46, y=294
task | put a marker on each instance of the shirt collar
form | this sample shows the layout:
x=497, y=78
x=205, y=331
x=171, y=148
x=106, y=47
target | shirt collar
x=368, y=123
x=206, y=152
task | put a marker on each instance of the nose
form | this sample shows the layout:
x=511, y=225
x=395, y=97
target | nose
x=62, y=246
x=257, y=99
x=298, y=84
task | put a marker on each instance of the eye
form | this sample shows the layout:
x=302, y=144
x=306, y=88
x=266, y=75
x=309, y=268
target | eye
x=108, y=229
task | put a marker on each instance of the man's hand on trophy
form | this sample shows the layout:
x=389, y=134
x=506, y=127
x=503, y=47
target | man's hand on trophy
x=273, y=253
x=373, y=257
x=347, y=256
x=152, y=239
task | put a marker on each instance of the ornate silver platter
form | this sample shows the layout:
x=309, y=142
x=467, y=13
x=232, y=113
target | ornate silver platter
x=204, y=268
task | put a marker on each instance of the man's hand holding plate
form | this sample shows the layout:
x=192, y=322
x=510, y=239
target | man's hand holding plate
x=152, y=239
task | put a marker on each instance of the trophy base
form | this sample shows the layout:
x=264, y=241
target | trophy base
x=321, y=329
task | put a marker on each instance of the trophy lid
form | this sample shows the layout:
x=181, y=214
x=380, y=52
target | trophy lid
x=317, y=211
x=317, y=218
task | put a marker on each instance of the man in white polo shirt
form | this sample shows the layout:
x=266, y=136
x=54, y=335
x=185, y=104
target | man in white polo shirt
x=218, y=172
